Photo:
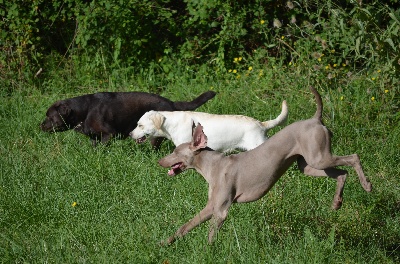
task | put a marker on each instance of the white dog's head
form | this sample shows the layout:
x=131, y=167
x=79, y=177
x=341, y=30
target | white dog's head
x=148, y=126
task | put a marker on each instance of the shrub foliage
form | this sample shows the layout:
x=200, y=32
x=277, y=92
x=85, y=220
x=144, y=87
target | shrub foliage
x=202, y=32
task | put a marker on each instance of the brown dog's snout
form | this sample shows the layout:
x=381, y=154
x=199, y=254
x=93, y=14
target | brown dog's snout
x=42, y=125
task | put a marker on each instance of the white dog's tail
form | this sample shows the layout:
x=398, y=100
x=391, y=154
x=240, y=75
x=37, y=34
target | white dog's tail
x=279, y=120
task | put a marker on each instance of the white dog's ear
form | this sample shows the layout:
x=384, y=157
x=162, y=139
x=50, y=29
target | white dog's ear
x=158, y=120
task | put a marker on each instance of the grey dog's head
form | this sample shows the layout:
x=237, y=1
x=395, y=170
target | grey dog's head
x=183, y=156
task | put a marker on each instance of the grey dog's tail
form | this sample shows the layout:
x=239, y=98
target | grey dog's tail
x=189, y=106
x=318, y=113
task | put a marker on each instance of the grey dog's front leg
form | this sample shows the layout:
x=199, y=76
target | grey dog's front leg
x=220, y=212
x=215, y=225
x=201, y=217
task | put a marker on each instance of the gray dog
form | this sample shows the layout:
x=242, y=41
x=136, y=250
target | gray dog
x=248, y=176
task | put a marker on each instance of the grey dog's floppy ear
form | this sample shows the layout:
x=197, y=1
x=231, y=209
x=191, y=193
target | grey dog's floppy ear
x=193, y=126
x=199, y=139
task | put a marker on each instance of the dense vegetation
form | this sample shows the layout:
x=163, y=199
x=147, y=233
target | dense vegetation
x=63, y=201
x=141, y=35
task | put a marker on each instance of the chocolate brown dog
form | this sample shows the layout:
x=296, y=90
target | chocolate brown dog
x=102, y=116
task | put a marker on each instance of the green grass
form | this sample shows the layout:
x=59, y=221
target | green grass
x=126, y=203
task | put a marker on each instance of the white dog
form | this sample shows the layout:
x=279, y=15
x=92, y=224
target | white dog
x=225, y=132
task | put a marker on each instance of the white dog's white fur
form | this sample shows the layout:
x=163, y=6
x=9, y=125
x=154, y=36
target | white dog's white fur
x=225, y=132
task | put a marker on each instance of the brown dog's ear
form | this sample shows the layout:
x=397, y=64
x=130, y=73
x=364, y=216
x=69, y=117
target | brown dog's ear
x=199, y=139
x=63, y=109
x=158, y=120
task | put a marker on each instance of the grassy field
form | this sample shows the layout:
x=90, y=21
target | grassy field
x=63, y=201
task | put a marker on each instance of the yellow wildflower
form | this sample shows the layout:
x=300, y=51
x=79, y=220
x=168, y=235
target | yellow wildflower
x=373, y=78
x=282, y=37
x=234, y=71
x=319, y=59
x=341, y=98
x=250, y=68
x=74, y=204
x=230, y=71
x=334, y=65
x=262, y=22
x=378, y=71
x=372, y=98
x=386, y=91
x=240, y=58
x=235, y=59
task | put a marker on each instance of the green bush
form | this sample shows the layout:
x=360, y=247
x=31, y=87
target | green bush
x=108, y=35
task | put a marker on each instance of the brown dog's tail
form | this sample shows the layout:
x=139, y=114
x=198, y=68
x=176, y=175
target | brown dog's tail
x=318, y=113
x=189, y=106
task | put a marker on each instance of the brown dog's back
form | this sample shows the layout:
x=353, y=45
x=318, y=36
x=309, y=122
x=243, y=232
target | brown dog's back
x=104, y=115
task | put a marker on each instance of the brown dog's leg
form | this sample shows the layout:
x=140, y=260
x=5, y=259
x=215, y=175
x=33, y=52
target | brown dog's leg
x=94, y=142
x=156, y=142
x=337, y=174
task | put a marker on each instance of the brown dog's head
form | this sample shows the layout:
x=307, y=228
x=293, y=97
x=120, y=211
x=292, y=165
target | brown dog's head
x=57, y=117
